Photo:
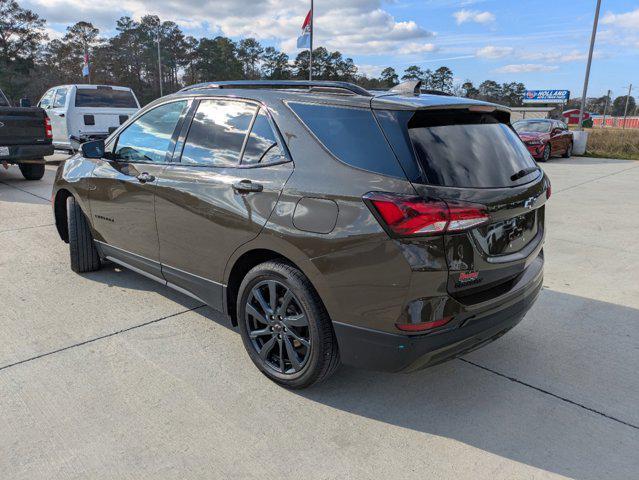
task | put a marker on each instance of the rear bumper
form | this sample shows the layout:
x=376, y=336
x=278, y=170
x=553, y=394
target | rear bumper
x=27, y=153
x=376, y=350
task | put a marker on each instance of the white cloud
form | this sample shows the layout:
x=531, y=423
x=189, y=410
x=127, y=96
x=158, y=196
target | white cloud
x=628, y=20
x=463, y=16
x=557, y=57
x=490, y=51
x=526, y=68
x=414, y=47
x=623, y=30
x=354, y=27
x=371, y=71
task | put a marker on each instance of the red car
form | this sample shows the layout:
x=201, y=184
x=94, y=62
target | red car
x=545, y=138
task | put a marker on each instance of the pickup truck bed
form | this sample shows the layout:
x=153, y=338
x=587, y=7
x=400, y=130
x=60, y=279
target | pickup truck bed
x=25, y=139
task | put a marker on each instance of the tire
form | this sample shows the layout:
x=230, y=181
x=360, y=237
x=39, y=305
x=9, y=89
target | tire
x=546, y=155
x=83, y=254
x=288, y=361
x=568, y=151
x=32, y=171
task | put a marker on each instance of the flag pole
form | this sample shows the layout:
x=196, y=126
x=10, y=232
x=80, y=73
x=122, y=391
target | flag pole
x=310, y=56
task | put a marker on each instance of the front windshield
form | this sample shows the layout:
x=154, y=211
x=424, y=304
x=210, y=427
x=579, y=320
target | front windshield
x=532, y=126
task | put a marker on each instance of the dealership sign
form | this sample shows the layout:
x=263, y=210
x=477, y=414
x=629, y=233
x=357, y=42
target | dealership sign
x=546, y=96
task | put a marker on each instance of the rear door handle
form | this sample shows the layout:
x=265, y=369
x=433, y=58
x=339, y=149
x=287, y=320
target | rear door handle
x=145, y=177
x=246, y=186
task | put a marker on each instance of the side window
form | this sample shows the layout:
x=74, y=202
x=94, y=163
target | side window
x=60, y=98
x=217, y=133
x=350, y=134
x=149, y=137
x=261, y=146
x=46, y=100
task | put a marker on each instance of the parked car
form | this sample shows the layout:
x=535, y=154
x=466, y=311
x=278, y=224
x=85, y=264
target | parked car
x=545, y=138
x=25, y=138
x=81, y=113
x=389, y=231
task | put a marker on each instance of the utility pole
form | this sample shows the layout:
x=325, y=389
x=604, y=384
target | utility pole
x=592, y=46
x=310, y=56
x=625, y=110
x=160, y=59
x=603, y=123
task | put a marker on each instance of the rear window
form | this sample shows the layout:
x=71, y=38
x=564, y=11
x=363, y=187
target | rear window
x=103, y=97
x=352, y=135
x=532, y=126
x=469, y=149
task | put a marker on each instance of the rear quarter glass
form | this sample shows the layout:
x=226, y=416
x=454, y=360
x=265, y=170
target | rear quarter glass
x=352, y=135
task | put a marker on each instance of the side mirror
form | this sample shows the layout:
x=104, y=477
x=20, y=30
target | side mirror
x=93, y=149
x=25, y=102
x=556, y=131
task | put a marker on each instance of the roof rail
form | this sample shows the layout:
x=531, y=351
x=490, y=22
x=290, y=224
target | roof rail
x=315, y=84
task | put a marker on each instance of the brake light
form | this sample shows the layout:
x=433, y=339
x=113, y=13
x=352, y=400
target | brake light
x=48, y=131
x=420, y=327
x=408, y=215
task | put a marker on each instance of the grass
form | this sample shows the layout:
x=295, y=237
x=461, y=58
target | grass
x=613, y=143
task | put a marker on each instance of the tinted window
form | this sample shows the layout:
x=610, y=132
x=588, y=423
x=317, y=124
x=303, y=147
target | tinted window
x=462, y=149
x=60, y=98
x=104, y=97
x=3, y=100
x=217, y=133
x=352, y=135
x=148, y=138
x=261, y=146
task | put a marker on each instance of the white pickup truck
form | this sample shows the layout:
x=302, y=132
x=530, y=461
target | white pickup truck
x=81, y=113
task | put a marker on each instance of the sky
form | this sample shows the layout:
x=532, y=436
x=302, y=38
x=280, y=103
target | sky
x=543, y=44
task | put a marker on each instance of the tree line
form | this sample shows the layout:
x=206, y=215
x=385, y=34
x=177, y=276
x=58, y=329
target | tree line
x=31, y=62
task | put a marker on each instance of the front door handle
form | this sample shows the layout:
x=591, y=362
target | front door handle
x=246, y=186
x=145, y=177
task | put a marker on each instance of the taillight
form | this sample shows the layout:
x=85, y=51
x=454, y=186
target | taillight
x=409, y=215
x=48, y=132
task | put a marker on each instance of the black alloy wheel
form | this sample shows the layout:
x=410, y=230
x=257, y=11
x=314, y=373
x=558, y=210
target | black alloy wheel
x=285, y=327
x=278, y=327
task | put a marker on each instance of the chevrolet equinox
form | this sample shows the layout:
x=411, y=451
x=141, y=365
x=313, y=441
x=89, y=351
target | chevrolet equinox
x=386, y=230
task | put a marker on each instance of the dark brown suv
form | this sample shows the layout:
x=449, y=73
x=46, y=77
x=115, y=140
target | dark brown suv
x=387, y=230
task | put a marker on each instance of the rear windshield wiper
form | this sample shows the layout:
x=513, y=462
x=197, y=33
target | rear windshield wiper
x=523, y=173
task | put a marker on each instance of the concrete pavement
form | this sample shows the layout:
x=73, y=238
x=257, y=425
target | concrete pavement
x=109, y=375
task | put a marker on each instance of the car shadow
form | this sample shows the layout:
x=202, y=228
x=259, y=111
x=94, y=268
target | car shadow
x=491, y=404
x=114, y=275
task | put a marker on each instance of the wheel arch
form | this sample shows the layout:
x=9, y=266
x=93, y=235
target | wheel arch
x=256, y=252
